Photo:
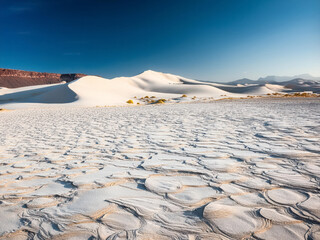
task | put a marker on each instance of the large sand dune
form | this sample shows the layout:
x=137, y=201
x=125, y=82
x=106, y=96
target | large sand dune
x=93, y=91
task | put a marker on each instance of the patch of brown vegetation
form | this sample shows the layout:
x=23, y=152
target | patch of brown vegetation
x=302, y=94
x=228, y=98
x=296, y=94
x=161, y=101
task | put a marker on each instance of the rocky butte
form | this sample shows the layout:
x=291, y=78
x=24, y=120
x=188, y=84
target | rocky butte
x=11, y=78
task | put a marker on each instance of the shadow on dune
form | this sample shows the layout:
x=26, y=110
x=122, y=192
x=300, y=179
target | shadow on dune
x=182, y=87
x=230, y=89
x=50, y=94
x=245, y=89
x=295, y=88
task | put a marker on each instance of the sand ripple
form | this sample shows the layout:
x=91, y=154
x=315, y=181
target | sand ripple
x=222, y=170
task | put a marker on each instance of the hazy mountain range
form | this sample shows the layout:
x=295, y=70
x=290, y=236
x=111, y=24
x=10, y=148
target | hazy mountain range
x=275, y=79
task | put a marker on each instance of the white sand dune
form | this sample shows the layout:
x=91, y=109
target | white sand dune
x=93, y=91
x=245, y=90
x=275, y=87
x=239, y=169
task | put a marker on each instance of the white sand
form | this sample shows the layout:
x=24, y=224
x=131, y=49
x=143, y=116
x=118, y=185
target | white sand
x=222, y=170
x=97, y=91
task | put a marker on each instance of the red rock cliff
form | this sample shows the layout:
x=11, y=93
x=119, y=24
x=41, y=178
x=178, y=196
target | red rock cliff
x=10, y=78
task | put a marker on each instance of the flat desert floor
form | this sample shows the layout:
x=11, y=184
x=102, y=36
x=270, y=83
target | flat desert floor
x=228, y=169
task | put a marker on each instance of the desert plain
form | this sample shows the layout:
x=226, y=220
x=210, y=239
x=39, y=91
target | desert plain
x=229, y=169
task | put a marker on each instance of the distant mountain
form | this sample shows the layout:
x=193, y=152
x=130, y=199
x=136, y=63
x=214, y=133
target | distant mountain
x=291, y=85
x=301, y=81
x=11, y=78
x=288, y=78
x=245, y=81
x=301, y=85
x=276, y=80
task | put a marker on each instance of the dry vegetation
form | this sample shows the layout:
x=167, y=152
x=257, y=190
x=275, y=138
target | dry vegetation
x=296, y=94
x=302, y=94
x=277, y=95
x=162, y=100
x=151, y=100
x=154, y=100
x=3, y=109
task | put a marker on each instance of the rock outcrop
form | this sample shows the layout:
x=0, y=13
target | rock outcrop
x=10, y=78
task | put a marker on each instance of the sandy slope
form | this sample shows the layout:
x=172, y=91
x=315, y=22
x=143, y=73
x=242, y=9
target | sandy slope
x=221, y=170
x=93, y=91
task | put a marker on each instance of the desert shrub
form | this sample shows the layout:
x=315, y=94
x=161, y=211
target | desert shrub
x=184, y=95
x=130, y=101
x=153, y=96
x=146, y=97
x=138, y=103
x=302, y=94
x=194, y=97
x=160, y=101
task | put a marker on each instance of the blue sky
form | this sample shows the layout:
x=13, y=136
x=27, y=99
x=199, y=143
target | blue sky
x=218, y=40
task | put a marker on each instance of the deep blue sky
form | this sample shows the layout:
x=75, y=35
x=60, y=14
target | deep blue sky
x=216, y=40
